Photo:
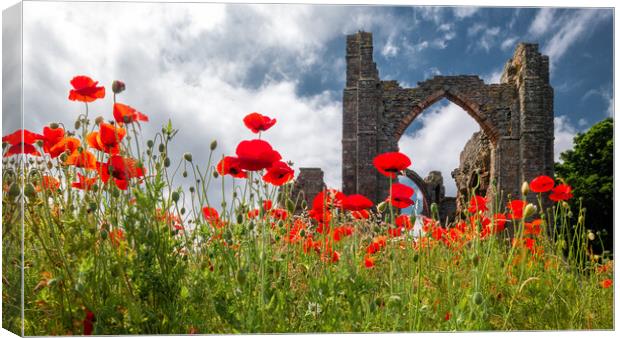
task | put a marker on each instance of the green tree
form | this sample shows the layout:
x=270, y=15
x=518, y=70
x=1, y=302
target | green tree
x=588, y=168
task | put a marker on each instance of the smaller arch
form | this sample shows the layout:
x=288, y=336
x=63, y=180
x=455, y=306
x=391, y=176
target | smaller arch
x=421, y=184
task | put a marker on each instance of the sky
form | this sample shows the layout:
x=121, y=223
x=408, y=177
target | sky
x=205, y=66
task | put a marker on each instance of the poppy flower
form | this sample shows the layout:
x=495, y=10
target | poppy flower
x=49, y=183
x=107, y=139
x=210, y=214
x=389, y=164
x=69, y=144
x=356, y=202
x=516, y=208
x=362, y=214
x=257, y=122
x=395, y=232
x=279, y=214
x=335, y=256
x=256, y=155
x=400, y=195
x=85, y=89
x=253, y=213
x=21, y=142
x=126, y=114
x=342, y=231
x=369, y=261
x=311, y=244
x=84, y=183
x=230, y=165
x=294, y=234
x=88, y=323
x=562, y=192
x=279, y=174
x=606, y=283
x=477, y=204
x=499, y=221
x=542, y=184
x=532, y=228
x=267, y=204
x=376, y=245
x=327, y=199
x=122, y=169
x=84, y=159
x=51, y=136
x=403, y=221
x=116, y=236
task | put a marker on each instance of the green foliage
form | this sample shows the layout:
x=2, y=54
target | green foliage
x=588, y=168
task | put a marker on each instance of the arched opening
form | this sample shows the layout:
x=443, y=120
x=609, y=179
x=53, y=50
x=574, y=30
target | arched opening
x=449, y=149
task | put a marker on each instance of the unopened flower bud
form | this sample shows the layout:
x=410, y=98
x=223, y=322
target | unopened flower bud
x=39, y=143
x=478, y=299
x=434, y=209
x=525, y=188
x=187, y=157
x=14, y=190
x=213, y=144
x=54, y=125
x=118, y=86
x=77, y=124
x=382, y=206
x=175, y=196
x=150, y=143
x=29, y=190
x=215, y=174
x=99, y=120
x=591, y=236
x=167, y=162
x=529, y=210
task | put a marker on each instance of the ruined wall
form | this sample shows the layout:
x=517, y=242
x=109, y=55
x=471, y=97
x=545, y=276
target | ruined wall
x=474, y=169
x=308, y=184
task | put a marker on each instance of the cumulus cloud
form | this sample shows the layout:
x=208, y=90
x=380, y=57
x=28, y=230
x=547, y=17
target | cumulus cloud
x=437, y=144
x=204, y=66
x=564, y=133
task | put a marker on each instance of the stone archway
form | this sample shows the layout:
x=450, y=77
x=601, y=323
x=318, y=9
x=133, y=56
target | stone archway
x=421, y=184
x=516, y=115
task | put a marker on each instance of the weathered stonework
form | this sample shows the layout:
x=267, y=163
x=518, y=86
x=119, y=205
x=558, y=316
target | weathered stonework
x=308, y=184
x=515, y=115
x=474, y=171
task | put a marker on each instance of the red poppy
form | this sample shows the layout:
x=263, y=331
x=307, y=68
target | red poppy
x=69, y=144
x=369, y=261
x=532, y=228
x=377, y=244
x=107, y=139
x=267, y=204
x=342, y=231
x=88, y=323
x=356, y=202
x=279, y=213
x=562, y=192
x=257, y=122
x=500, y=222
x=447, y=316
x=49, y=183
x=327, y=199
x=126, y=114
x=606, y=283
x=362, y=214
x=51, y=136
x=395, y=232
x=477, y=203
x=253, y=213
x=516, y=208
x=122, y=169
x=542, y=184
x=84, y=183
x=230, y=165
x=85, y=89
x=335, y=256
x=400, y=195
x=84, y=159
x=256, y=155
x=294, y=234
x=279, y=174
x=116, y=236
x=403, y=221
x=210, y=214
x=21, y=142
x=310, y=244
x=389, y=164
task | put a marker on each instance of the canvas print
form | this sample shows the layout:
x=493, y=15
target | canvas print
x=213, y=168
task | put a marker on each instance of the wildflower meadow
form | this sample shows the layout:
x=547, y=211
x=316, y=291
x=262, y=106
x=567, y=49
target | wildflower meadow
x=114, y=244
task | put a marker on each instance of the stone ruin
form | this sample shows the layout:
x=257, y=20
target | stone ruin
x=514, y=144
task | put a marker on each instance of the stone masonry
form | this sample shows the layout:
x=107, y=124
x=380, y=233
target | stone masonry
x=515, y=118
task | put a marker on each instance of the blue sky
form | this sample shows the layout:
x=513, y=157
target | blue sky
x=208, y=65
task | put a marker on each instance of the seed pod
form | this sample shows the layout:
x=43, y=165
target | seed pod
x=182, y=211
x=213, y=145
x=54, y=125
x=184, y=174
x=162, y=148
x=150, y=143
x=99, y=119
x=187, y=157
x=175, y=196
x=478, y=299
x=77, y=124
x=167, y=162
x=192, y=189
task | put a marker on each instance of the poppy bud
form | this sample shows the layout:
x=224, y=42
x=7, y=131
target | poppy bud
x=591, y=235
x=50, y=165
x=234, y=194
x=167, y=162
x=213, y=145
x=184, y=174
x=29, y=190
x=182, y=211
x=241, y=276
x=382, y=206
x=304, y=204
x=104, y=234
x=150, y=143
x=192, y=189
x=77, y=124
x=54, y=125
x=565, y=205
x=215, y=174
x=478, y=299
x=175, y=196
x=99, y=120
x=290, y=205
x=239, y=218
x=162, y=147
x=39, y=143
x=529, y=210
x=434, y=209
x=14, y=190
x=118, y=86
x=525, y=188
x=223, y=205
x=187, y=157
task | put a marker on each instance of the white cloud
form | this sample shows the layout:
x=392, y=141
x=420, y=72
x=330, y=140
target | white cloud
x=572, y=28
x=203, y=65
x=508, y=43
x=543, y=21
x=437, y=145
x=464, y=12
x=483, y=35
x=564, y=133
x=494, y=76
